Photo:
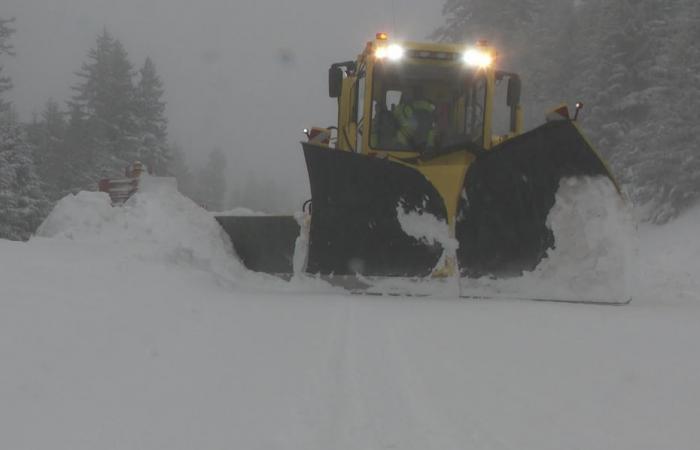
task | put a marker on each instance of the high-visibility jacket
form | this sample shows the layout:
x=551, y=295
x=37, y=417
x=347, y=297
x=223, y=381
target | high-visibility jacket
x=415, y=123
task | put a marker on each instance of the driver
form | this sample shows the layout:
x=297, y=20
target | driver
x=415, y=120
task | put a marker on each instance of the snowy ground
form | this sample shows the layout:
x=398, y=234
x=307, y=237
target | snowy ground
x=135, y=328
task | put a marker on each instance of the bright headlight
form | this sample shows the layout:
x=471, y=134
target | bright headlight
x=477, y=58
x=393, y=52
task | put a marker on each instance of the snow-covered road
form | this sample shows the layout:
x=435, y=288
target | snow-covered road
x=111, y=346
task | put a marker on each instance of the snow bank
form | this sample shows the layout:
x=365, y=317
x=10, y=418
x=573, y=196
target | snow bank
x=668, y=262
x=161, y=226
x=78, y=216
x=155, y=224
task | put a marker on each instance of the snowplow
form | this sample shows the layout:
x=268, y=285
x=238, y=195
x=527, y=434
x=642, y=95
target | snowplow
x=431, y=132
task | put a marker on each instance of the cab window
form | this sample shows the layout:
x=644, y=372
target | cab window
x=419, y=107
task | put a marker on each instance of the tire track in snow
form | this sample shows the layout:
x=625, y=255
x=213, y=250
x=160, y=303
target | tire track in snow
x=343, y=422
x=365, y=407
x=436, y=430
x=374, y=390
x=386, y=404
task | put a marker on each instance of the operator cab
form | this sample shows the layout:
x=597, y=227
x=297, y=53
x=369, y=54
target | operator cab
x=422, y=99
x=445, y=107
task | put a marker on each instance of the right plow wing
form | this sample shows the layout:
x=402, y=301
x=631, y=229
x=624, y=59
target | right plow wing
x=509, y=192
x=543, y=218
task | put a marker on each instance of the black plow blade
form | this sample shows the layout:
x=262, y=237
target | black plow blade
x=509, y=192
x=355, y=226
x=264, y=243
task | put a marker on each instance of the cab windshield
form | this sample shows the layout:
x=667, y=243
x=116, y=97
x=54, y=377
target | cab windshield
x=419, y=106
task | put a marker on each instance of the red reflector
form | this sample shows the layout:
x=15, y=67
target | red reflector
x=561, y=113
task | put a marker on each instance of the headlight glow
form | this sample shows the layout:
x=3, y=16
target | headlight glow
x=477, y=58
x=393, y=52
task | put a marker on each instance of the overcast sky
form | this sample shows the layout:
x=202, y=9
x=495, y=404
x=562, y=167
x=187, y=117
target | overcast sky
x=243, y=75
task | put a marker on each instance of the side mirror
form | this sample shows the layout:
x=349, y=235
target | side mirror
x=514, y=88
x=335, y=81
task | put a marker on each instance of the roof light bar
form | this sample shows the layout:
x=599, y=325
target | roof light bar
x=393, y=52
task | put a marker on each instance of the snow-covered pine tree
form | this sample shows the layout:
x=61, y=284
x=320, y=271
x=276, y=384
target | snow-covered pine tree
x=22, y=202
x=6, y=32
x=79, y=157
x=676, y=140
x=631, y=99
x=104, y=105
x=47, y=135
x=151, y=122
x=558, y=56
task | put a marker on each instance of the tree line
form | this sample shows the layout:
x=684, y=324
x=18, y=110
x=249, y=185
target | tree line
x=635, y=64
x=115, y=116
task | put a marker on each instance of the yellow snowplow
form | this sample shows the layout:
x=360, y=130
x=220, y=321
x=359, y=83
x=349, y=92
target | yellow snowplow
x=436, y=130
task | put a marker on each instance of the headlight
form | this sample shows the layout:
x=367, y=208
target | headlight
x=477, y=58
x=393, y=52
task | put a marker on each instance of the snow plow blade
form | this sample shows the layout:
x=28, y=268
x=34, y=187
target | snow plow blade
x=354, y=222
x=509, y=192
x=355, y=229
x=501, y=222
x=263, y=243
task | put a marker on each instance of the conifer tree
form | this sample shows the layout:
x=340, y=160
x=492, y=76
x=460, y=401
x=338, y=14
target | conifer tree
x=557, y=56
x=630, y=97
x=80, y=158
x=105, y=101
x=22, y=202
x=671, y=156
x=6, y=48
x=151, y=122
x=47, y=135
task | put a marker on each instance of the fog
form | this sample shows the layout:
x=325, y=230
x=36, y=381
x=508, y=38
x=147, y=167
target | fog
x=246, y=76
